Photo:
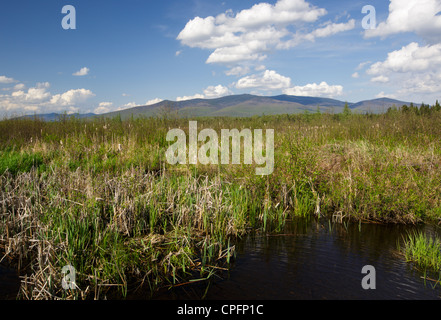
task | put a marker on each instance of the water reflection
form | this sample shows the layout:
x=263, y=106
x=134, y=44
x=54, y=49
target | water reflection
x=320, y=260
x=9, y=283
x=310, y=259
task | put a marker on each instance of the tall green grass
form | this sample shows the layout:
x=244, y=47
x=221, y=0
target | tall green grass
x=99, y=195
x=424, y=251
x=15, y=162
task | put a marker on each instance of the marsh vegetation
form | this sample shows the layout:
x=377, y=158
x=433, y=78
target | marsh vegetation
x=99, y=195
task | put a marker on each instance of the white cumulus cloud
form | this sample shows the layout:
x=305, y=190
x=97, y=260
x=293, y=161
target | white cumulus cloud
x=216, y=92
x=382, y=79
x=82, y=72
x=38, y=99
x=128, y=106
x=249, y=35
x=417, y=16
x=315, y=90
x=33, y=95
x=412, y=69
x=19, y=86
x=71, y=97
x=153, y=101
x=103, y=107
x=386, y=95
x=196, y=96
x=6, y=80
x=238, y=71
x=210, y=92
x=410, y=58
x=415, y=68
x=268, y=80
x=329, y=30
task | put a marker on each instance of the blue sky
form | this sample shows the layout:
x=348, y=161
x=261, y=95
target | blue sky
x=135, y=52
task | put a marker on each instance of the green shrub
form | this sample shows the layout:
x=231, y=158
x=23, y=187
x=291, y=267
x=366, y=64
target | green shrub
x=15, y=162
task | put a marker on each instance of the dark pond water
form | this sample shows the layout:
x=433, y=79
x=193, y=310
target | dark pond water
x=9, y=283
x=308, y=260
x=312, y=260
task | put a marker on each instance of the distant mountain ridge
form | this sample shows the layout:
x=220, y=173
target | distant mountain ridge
x=311, y=101
x=244, y=105
x=247, y=105
x=56, y=116
x=380, y=104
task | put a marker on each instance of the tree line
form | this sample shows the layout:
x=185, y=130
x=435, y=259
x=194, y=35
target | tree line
x=412, y=108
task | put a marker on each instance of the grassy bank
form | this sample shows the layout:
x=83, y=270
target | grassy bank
x=99, y=195
x=424, y=251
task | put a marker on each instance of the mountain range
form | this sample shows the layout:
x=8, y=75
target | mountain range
x=245, y=105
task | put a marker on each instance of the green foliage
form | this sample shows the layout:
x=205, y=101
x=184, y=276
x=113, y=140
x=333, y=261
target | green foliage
x=104, y=198
x=424, y=251
x=346, y=110
x=437, y=106
x=15, y=162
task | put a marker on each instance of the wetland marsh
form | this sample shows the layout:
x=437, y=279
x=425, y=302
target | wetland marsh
x=98, y=195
